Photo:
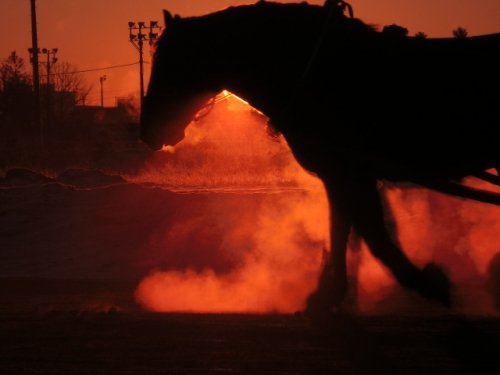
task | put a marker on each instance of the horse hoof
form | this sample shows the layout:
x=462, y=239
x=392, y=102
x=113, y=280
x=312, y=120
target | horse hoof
x=317, y=305
x=319, y=311
x=325, y=301
x=436, y=284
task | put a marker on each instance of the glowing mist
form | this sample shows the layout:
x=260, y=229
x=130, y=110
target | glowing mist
x=278, y=248
x=267, y=251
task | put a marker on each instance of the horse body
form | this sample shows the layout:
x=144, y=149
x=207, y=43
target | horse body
x=355, y=105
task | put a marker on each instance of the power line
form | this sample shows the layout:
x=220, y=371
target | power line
x=110, y=94
x=98, y=69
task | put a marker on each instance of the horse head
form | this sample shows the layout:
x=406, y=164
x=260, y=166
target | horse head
x=261, y=52
x=178, y=87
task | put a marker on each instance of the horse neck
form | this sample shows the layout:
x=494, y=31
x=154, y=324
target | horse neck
x=264, y=63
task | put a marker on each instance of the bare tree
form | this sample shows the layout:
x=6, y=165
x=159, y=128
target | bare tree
x=12, y=72
x=130, y=106
x=68, y=89
x=460, y=33
x=15, y=91
x=16, y=112
x=66, y=79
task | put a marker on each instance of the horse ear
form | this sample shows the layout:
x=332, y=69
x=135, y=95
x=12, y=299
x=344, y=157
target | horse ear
x=168, y=17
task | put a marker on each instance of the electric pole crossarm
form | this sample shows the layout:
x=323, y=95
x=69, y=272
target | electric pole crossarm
x=51, y=60
x=138, y=34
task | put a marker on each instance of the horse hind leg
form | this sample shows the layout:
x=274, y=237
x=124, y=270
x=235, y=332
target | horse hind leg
x=355, y=203
x=368, y=221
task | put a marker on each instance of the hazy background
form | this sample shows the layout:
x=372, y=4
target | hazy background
x=93, y=33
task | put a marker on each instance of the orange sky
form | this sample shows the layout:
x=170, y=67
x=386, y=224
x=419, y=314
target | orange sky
x=93, y=33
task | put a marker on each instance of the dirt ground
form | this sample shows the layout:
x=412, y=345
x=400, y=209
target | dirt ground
x=113, y=342
x=72, y=257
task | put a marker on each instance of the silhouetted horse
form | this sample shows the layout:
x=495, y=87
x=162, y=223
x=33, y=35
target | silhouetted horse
x=354, y=104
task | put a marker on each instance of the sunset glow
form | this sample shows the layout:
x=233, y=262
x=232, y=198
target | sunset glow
x=155, y=219
x=104, y=41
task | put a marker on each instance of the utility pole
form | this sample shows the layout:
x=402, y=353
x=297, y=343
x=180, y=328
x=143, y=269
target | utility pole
x=36, y=77
x=101, y=81
x=51, y=59
x=138, y=34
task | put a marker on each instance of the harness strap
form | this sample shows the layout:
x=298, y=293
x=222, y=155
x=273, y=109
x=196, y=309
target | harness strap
x=335, y=8
x=340, y=6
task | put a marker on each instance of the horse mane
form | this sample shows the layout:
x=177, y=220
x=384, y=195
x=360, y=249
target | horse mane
x=279, y=14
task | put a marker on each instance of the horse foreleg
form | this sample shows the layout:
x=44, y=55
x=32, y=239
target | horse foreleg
x=332, y=286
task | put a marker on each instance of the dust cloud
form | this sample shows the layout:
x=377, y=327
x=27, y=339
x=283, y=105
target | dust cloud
x=258, y=241
x=262, y=231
